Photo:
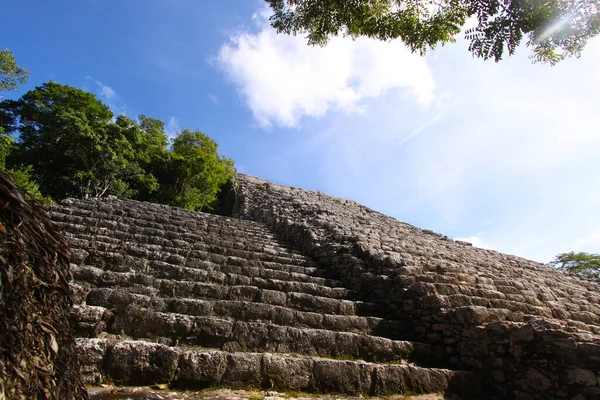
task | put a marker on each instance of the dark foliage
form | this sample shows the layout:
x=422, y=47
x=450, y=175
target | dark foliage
x=38, y=359
x=556, y=29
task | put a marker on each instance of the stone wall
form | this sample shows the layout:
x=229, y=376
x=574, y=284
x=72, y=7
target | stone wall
x=531, y=330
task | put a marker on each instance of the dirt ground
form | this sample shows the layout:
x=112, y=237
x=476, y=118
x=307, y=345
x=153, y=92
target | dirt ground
x=157, y=393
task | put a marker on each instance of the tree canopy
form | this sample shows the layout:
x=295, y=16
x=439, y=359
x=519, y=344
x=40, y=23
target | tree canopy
x=195, y=171
x=11, y=75
x=70, y=144
x=580, y=263
x=555, y=29
x=64, y=135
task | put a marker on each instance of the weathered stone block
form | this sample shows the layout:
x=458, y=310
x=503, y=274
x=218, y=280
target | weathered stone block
x=582, y=377
x=140, y=363
x=309, y=302
x=244, y=293
x=287, y=373
x=212, y=332
x=190, y=307
x=535, y=382
x=342, y=376
x=91, y=356
x=471, y=315
x=272, y=297
x=243, y=369
x=201, y=366
x=434, y=301
x=524, y=334
x=342, y=323
x=252, y=336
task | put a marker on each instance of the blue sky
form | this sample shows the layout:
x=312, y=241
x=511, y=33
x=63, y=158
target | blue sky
x=504, y=155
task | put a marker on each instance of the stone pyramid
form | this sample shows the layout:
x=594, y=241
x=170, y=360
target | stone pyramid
x=300, y=291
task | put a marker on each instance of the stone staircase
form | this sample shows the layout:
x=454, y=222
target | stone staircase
x=531, y=331
x=194, y=300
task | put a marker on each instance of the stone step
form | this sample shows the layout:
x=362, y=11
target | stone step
x=143, y=363
x=150, y=213
x=208, y=260
x=334, y=297
x=89, y=321
x=255, y=246
x=208, y=292
x=173, y=228
x=134, y=320
x=196, y=289
x=87, y=278
x=79, y=291
x=241, y=306
x=211, y=261
x=104, y=239
x=501, y=297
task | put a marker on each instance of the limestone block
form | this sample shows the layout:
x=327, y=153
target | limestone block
x=190, y=306
x=91, y=357
x=309, y=302
x=582, y=377
x=201, y=366
x=342, y=323
x=252, y=336
x=290, y=373
x=470, y=315
x=524, y=334
x=140, y=363
x=303, y=319
x=212, y=332
x=272, y=297
x=535, y=382
x=243, y=368
x=342, y=376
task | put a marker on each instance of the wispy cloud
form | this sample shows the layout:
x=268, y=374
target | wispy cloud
x=172, y=127
x=109, y=96
x=422, y=128
x=283, y=80
x=106, y=91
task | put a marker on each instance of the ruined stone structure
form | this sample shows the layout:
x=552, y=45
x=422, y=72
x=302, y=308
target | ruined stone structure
x=298, y=290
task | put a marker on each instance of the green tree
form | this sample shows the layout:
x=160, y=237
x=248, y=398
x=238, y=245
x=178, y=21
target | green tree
x=580, y=263
x=149, y=144
x=70, y=144
x=11, y=75
x=555, y=29
x=7, y=146
x=21, y=175
x=66, y=136
x=194, y=172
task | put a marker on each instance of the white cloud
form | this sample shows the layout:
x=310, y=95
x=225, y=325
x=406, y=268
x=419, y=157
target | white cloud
x=109, y=96
x=283, y=80
x=517, y=158
x=106, y=91
x=477, y=242
x=507, y=153
x=504, y=155
x=172, y=127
